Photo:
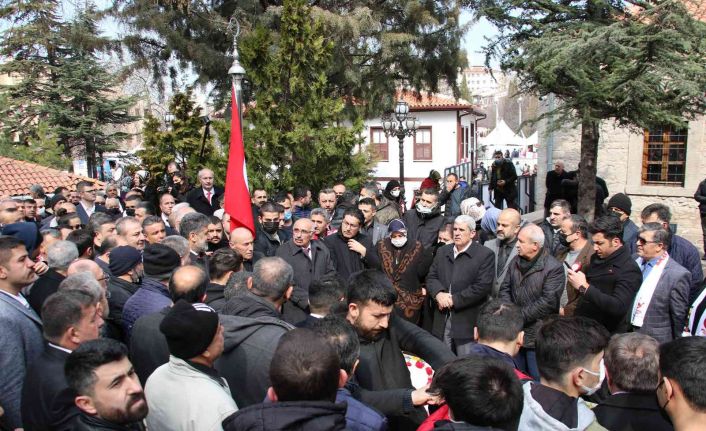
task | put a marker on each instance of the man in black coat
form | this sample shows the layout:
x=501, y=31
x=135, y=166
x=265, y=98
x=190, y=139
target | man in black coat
x=382, y=379
x=310, y=261
x=126, y=275
x=269, y=236
x=553, y=185
x=351, y=251
x=608, y=288
x=632, y=364
x=460, y=281
x=252, y=328
x=534, y=282
x=70, y=318
x=503, y=181
x=204, y=199
x=423, y=224
x=148, y=346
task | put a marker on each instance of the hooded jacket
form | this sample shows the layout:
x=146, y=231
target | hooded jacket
x=200, y=408
x=386, y=211
x=289, y=416
x=534, y=417
x=249, y=345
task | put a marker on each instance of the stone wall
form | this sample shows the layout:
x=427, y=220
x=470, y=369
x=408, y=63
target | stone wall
x=620, y=165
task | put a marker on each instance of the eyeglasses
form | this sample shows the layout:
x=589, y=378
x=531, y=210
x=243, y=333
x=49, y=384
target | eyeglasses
x=643, y=241
x=302, y=231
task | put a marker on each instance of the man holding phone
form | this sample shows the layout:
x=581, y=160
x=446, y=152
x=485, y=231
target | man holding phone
x=608, y=287
x=576, y=255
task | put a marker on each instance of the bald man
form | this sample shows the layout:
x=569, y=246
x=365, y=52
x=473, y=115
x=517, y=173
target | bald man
x=503, y=245
x=242, y=241
x=204, y=199
x=178, y=213
x=534, y=282
x=310, y=260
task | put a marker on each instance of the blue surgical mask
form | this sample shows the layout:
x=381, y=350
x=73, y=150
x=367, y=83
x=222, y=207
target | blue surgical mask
x=287, y=215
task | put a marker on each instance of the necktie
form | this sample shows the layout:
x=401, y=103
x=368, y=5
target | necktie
x=208, y=196
x=502, y=258
x=307, y=252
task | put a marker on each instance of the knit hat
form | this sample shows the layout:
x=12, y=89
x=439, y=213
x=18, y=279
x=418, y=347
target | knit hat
x=123, y=259
x=474, y=208
x=397, y=225
x=160, y=261
x=56, y=199
x=621, y=202
x=189, y=328
x=435, y=175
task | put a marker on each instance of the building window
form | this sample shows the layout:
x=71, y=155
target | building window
x=422, y=144
x=664, y=156
x=378, y=144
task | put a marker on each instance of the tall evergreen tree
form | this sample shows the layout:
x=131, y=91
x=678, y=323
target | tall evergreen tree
x=86, y=110
x=638, y=63
x=376, y=44
x=32, y=45
x=294, y=132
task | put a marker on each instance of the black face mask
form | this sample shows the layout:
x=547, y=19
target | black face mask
x=270, y=226
x=562, y=239
x=130, y=212
x=497, y=162
x=113, y=211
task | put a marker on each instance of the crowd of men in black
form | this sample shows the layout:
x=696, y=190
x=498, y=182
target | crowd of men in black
x=122, y=313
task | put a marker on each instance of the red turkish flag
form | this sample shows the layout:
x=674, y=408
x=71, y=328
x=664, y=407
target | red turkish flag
x=237, y=195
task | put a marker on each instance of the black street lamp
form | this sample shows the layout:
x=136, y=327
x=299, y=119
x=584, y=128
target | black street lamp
x=401, y=125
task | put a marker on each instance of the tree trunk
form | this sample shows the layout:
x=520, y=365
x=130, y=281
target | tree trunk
x=587, y=168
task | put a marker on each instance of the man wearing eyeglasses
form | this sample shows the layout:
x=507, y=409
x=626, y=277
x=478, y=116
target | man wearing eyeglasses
x=310, y=261
x=87, y=205
x=661, y=304
x=608, y=287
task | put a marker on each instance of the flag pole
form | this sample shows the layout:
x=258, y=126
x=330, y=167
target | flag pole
x=236, y=71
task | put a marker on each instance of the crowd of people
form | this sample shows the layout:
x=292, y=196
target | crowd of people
x=140, y=309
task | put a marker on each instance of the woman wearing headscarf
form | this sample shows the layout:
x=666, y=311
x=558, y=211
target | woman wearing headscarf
x=393, y=193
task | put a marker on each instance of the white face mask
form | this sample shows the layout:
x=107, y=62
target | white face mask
x=399, y=242
x=395, y=193
x=601, y=376
x=422, y=209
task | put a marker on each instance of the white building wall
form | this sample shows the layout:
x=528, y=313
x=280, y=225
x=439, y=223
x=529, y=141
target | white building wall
x=444, y=149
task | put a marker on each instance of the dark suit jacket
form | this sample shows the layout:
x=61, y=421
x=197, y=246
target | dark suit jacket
x=306, y=270
x=197, y=200
x=47, y=284
x=632, y=412
x=469, y=279
x=82, y=212
x=47, y=401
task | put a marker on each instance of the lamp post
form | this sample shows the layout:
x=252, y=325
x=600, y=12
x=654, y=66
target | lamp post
x=400, y=124
x=168, y=120
x=236, y=71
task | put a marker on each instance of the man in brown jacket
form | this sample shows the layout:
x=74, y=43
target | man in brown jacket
x=574, y=235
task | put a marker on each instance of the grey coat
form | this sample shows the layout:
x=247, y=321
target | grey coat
x=494, y=245
x=666, y=314
x=22, y=343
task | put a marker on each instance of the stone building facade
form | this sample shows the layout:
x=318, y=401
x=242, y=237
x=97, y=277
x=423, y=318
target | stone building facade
x=622, y=156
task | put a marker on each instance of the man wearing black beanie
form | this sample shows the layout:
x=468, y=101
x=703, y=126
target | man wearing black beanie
x=620, y=206
x=195, y=340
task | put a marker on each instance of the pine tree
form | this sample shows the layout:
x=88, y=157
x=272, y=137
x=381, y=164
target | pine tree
x=294, y=132
x=465, y=91
x=377, y=45
x=85, y=110
x=637, y=63
x=34, y=50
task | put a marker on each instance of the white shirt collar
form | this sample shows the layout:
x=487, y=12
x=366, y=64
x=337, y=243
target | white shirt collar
x=457, y=252
x=63, y=349
x=19, y=298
